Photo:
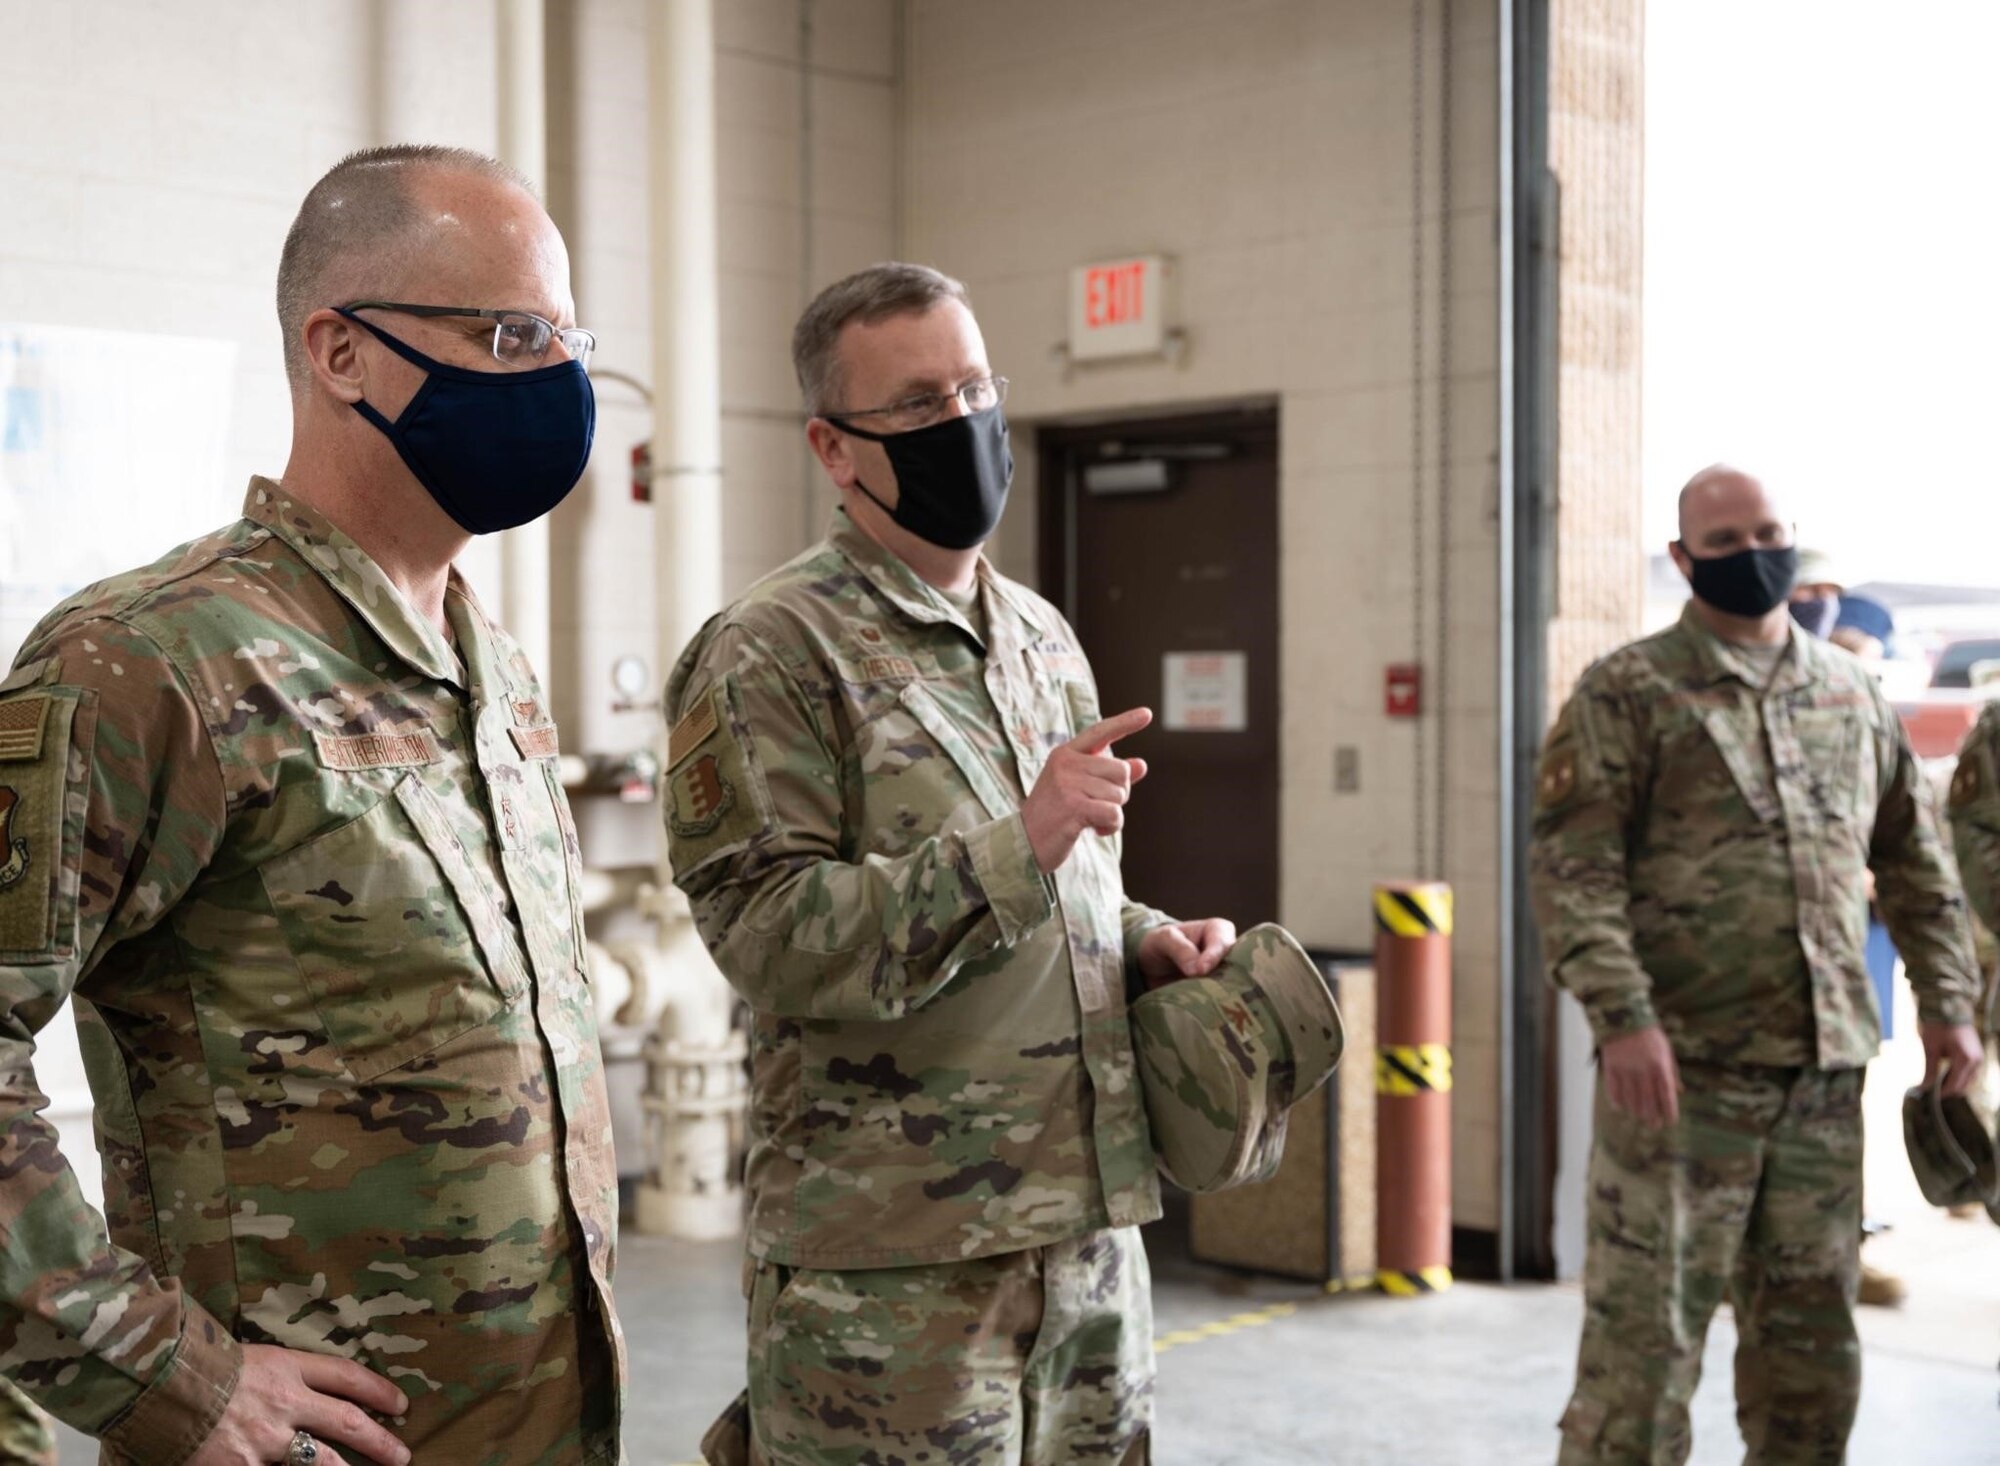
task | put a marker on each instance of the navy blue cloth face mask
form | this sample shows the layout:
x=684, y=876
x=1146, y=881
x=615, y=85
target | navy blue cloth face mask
x=497, y=449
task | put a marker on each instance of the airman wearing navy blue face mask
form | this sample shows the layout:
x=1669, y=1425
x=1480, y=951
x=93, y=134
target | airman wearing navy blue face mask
x=322, y=898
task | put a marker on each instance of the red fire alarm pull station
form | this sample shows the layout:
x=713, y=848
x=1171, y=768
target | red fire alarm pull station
x=1403, y=690
x=642, y=473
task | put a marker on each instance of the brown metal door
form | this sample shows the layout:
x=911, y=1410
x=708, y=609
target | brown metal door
x=1160, y=541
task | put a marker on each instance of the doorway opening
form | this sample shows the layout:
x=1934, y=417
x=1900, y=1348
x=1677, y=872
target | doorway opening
x=1159, y=541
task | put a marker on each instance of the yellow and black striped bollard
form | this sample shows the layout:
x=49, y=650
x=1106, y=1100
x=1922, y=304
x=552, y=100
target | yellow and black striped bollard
x=1413, y=1087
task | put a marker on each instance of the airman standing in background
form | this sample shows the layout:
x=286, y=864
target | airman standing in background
x=1711, y=803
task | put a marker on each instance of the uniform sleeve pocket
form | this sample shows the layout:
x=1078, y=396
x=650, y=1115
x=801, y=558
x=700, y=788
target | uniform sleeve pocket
x=44, y=792
x=401, y=946
x=716, y=798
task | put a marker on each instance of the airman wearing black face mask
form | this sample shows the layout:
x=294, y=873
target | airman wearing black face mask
x=894, y=803
x=1712, y=804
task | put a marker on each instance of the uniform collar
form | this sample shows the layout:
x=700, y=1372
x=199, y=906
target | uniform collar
x=1798, y=664
x=908, y=592
x=356, y=579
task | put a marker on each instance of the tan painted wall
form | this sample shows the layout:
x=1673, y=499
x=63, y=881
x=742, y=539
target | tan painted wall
x=1268, y=148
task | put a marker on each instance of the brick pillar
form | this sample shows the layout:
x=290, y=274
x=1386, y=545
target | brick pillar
x=1596, y=149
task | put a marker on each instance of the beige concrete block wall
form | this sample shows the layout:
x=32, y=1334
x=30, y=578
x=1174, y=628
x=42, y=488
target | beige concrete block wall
x=153, y=156
x=1267, y=148
x=1596, y=148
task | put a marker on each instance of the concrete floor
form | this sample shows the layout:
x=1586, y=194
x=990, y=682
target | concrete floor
x=1475, y=1375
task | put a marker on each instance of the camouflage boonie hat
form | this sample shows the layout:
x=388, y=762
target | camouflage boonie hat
x=1223, y=1057
x=1951, y=1151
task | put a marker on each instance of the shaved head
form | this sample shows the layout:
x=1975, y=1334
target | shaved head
x=361, y=229
x=1724, y=509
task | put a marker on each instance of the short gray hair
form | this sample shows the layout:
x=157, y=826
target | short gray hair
x=868, y=296
x=361, y=207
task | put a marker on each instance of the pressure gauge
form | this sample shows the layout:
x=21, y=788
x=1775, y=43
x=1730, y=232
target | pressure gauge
x=630, y=676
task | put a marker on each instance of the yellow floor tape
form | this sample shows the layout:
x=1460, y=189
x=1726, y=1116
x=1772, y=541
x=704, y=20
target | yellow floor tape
x=1223, y=1327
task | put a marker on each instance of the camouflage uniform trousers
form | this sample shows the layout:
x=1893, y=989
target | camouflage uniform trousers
x=26, y=1438
x=1033, y=1358
x=1756, y=1191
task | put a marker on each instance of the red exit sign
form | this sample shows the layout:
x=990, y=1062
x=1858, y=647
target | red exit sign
x=1114, y=294
x=1117, y=307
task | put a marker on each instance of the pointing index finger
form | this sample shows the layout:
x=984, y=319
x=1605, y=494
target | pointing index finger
x=1100, y=736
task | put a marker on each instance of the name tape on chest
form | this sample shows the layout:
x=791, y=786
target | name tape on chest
x=537, y=742
x=1061, y=660
x=887, y=669
x=378, y=750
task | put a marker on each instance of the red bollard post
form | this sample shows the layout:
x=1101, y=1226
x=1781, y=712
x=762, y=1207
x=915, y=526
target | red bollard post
x=1413, y=1087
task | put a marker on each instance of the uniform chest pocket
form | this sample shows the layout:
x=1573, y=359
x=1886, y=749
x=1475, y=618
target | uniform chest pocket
x=1834, y=744
x=1748, y=769
x=401, y=945
x=977, y=770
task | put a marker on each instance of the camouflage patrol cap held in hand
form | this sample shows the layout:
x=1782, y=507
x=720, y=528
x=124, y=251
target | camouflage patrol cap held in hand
x=1950, y=1149
x=1223, y=1057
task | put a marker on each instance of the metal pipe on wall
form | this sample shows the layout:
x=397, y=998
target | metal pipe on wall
x=687, y=333
x=524, y=144
x=695, y=1093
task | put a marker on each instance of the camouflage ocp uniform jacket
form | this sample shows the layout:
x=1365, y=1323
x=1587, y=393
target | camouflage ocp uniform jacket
x=1975, y=831
x=1701, y=843
x=942, y=1060
x=312, y=884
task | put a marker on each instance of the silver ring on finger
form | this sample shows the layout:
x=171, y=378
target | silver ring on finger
x=304, y=1450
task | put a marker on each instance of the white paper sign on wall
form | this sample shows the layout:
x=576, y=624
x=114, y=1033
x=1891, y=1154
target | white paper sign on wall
x=1205, y=692
x=1119, y=308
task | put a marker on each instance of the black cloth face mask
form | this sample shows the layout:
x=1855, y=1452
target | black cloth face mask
x=1750, y=583
x=951, y=477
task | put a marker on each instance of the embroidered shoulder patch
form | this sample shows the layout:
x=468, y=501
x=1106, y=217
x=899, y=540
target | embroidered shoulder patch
x=714, y=793
x=1558, y=779
x=21, y=721
x=14, y=847
x=695, y=729
x=378, y=750
x=702, y=798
